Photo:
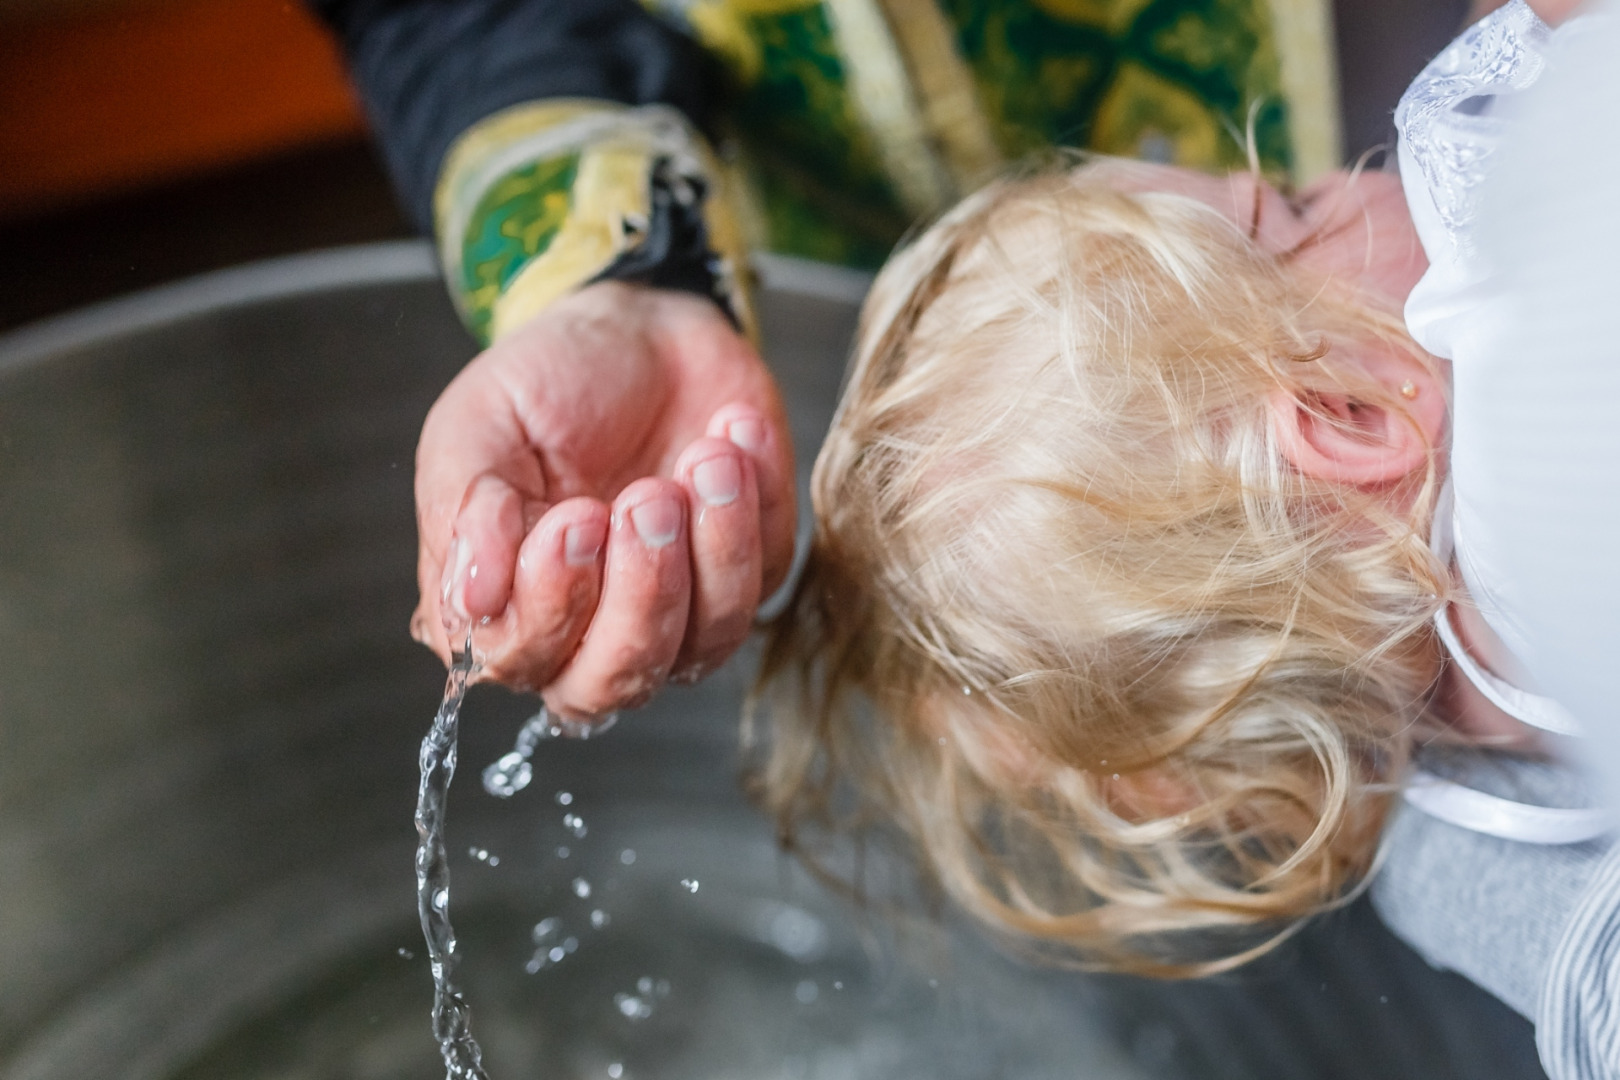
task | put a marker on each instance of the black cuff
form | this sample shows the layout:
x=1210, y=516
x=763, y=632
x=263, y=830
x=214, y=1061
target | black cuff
x=675, y=252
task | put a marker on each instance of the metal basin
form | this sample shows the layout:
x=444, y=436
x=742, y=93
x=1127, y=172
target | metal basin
x=209, y=716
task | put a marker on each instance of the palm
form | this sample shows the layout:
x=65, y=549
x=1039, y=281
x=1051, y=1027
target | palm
x=579, y=409
x=615, y=400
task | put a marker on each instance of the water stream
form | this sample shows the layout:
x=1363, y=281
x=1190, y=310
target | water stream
x=452, y=1029
x=463, y=1060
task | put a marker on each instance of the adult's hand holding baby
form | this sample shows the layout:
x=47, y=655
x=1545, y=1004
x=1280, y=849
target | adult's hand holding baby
x=611, y=486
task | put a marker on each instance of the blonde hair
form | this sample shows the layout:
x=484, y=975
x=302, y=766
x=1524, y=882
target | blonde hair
x=1135, y=689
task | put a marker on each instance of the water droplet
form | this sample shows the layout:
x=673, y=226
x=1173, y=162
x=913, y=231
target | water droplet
x=570, y=945
x=406, y=954
x=562, y=851
x=575, y=825
x=582, y=888
x=483, y=856
x=557, y=953
x=644, y=985
x=508, y=776
x=615, y=1071
x=838, y=984
x=797, y=933
x=544, y=929
x=599, y=919
x=689, y=884
x=585, y=729
x=967, y=690
x=564, y=798
x=536, y=962
x=441, y=899
x=632, y=1007
x=806, y=992
x=627, y=857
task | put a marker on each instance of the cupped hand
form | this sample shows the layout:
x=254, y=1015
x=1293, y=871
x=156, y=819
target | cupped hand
x=611, y=487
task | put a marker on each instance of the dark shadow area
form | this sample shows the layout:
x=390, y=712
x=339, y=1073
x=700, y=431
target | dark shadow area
x=1345, y=1000
x=1382, y=46
x=315, y=197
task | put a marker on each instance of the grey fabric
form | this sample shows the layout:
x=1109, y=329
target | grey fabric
x=1536, y=925
x=1578, y=1017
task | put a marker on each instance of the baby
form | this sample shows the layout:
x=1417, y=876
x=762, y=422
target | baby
x=1119, y=602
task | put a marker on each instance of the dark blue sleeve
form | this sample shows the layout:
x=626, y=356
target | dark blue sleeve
x=427, y=70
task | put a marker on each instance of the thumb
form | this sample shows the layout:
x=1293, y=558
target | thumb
x=482, y=557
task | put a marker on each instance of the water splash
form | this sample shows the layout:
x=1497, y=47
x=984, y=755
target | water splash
x=549, y=950
x=640, y=1004
x=512, y=772
x=463, y=1060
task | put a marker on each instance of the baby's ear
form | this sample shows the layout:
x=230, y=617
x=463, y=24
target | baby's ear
x=1335, y=436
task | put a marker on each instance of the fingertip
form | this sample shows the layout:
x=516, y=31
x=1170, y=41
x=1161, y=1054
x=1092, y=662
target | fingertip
x=488, y=531
x=652, y=511
x=717, y=473
x=770, y=452
x=571, y=536
x=582, y=542
x=743, y=426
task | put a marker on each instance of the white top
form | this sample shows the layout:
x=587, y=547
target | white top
x=1454, y=122
x=1451, y=126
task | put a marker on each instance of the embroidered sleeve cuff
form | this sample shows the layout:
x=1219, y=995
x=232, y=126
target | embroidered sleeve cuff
x=542, y=198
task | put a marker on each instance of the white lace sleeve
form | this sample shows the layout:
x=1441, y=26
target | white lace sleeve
x=1449, y=131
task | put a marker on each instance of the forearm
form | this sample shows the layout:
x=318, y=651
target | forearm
x=428, y=71
x=547, y=144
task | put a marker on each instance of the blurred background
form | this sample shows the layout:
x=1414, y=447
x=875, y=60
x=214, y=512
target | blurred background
x=147, y=140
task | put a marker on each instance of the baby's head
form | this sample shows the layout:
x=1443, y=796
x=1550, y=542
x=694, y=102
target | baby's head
x=1117, y=599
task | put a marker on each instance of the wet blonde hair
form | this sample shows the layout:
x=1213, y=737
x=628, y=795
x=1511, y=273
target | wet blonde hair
x=1136, y=690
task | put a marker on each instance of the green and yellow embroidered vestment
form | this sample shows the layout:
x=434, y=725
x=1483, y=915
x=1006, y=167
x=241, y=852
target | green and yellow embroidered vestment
x=850, y=120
